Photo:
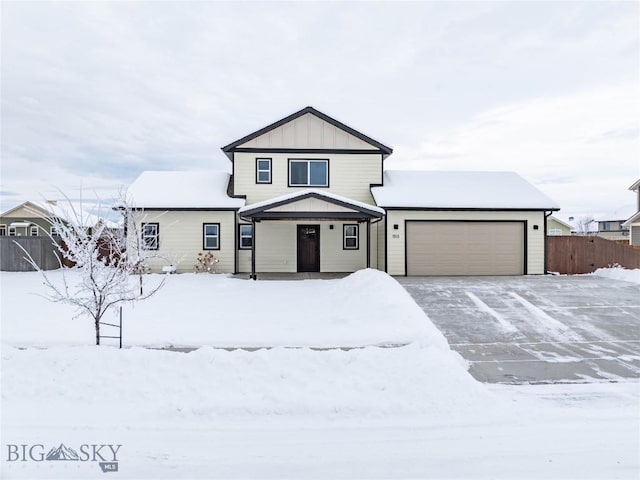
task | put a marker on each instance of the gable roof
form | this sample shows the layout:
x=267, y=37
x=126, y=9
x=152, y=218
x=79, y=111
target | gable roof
x=562, y=222
x=635, y=186
x=361, y=208
x=63, y=209
x=177, y=190
x=229, y=149
x=459, y=191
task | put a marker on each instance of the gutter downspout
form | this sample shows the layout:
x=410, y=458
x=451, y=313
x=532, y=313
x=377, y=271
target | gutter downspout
x=546, y=261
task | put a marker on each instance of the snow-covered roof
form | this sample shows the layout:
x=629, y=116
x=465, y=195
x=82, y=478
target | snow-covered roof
x=459, y=190
x=182, y=189
x=292, y=197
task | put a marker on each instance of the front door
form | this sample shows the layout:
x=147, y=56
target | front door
x=308, y=248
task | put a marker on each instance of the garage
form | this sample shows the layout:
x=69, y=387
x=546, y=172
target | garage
x=465, y=247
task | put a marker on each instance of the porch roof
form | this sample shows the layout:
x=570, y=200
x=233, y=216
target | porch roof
x=348, y=208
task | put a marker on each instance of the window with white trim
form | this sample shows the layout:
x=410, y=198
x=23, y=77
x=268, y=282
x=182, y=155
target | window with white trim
x=350, y=237
x=33, y=231
x=54, y=231
x=246, y=237
x=211, y=236
x=3, y=230
x=12, y=231
x=308, y=173
x=263, y=170
x=150, y=236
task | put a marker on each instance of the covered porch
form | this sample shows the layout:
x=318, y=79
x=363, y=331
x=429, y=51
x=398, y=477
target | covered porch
x=310, y=231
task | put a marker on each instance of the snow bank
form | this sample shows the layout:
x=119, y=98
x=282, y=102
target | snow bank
x=619, y=273
x=366, y=308
x=140, y=386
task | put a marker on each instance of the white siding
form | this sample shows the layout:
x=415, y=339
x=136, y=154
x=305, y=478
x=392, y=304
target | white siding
x=308, y=131
x=350, y=175
x=275, y=246
x=181, y=238
x=396, y=238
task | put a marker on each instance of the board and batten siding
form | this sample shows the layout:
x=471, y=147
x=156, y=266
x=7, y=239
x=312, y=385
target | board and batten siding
x=181, y=239
x=350, y=175
x=276, y=247
x=396, y=238
x=308, y=131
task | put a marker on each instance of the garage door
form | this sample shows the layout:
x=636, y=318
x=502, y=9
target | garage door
x=465, y=248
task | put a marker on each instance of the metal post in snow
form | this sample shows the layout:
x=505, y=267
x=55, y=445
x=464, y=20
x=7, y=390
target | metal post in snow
x=120, y=326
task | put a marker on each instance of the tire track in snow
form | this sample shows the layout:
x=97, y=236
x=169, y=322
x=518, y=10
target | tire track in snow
x=504, y=324
x=557, y=329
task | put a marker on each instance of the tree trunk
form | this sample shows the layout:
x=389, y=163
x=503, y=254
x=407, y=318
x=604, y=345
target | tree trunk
x=97, y=331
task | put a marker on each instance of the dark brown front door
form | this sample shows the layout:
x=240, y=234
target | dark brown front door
x=308, y=248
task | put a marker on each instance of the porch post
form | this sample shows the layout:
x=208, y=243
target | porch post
x=368, y=243
x=253, y=250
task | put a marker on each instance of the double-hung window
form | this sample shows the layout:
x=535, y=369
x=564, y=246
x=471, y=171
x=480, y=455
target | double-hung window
x=54, y=231
x=150, y=236
x=211, y=236
x=33, y=231
x=308, y=173
x=263, y=170
x=3, y=230
x=246, y=237
x=350, y=237
x=12, y=231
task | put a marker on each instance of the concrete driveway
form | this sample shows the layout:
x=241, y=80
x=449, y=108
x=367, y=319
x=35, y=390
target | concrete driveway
x=537, y=329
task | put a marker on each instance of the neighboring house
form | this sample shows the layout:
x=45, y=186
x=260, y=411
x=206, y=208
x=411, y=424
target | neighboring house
x=612, y=225
x=556, y=226
x=33, y=218
x=310, y=194
x=633, y=222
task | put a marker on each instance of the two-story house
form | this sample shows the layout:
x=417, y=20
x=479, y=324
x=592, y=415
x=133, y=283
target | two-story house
x=311, y=194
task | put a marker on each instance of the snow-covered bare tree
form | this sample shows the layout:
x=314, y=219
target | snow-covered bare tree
x=104, y=269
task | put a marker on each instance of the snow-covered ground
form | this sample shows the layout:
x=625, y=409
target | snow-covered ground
x=409, y=411
x=619, y=273
x=365, y=308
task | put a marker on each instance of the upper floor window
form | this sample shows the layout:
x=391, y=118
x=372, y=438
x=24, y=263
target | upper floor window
x=54, y=231
x=246, y=237
x=606, y=225
x=211, y=239
x=3, y=230
x=150, y=236
x=263, y=170
x=12, y=231
x=34, y=231
x=308, y=173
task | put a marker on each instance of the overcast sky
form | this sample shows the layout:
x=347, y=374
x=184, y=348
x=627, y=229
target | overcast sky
x=94, y=93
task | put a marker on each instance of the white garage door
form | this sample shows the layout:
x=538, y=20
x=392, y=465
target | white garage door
x=465, y=248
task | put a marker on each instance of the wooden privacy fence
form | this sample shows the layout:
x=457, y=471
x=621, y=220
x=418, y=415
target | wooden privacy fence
x=577, y=254
x=41, y=250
